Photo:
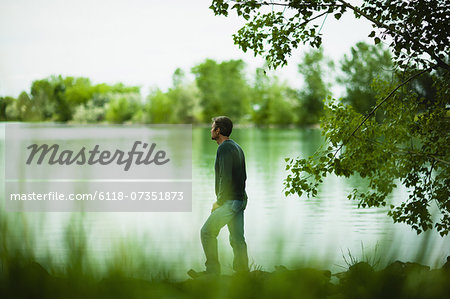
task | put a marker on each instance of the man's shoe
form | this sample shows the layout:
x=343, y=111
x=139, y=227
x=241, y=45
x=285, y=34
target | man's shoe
x=194, y=274
x=242, y=272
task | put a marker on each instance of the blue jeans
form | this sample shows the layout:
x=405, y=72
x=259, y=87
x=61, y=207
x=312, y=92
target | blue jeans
x=231, y=213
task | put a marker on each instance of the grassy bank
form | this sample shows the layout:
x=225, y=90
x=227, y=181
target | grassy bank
x=21, y=279
x=132, y=270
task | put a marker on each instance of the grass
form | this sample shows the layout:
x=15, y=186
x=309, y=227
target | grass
x=130, y=271
x=372, y=259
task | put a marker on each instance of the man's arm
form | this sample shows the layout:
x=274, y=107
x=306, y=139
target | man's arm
x=225, y=160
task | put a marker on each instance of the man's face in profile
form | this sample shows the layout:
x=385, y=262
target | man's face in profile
x=214, y=132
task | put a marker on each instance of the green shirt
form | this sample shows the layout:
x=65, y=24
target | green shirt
x=230, y=172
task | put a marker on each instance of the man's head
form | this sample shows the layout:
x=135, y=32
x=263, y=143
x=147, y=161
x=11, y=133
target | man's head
x=221, y=125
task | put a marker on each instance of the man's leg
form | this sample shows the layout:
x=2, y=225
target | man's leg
x=237, y=240
x=216, y=220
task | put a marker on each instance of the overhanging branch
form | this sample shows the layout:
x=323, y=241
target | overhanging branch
x=297, y=5
x=372, y=112
x=439, y=61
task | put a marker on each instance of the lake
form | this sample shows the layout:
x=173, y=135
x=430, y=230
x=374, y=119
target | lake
x=290, y=230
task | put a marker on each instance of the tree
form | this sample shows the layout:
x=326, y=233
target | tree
x=78, y=90
x=122, y=107
x=91, y=103
x=54, y=98
x=25, y=107
x=366, y=63
x=178, y=105
x=59, y=98
x=223, y=88
x=5, y=109
x=271, y=101
x=183, y=98
x=89, y=113
x=411, y=143
x=417, y=30
x=259, y=100
x=16, y=109
x=43, y=97
x=313, y=67
x=158, y=108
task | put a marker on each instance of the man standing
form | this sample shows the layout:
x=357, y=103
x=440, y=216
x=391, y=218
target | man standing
x=231, y=201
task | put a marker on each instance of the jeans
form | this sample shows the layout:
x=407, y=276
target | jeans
x=231, y=213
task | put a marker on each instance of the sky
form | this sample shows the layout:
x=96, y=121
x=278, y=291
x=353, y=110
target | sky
x=136, y=42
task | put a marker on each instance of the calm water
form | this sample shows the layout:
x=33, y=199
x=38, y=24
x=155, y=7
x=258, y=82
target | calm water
x=279, y=230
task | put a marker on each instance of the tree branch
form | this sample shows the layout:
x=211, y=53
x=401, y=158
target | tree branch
x=426, y=155
x=439, y=61
x=309, y=20
x=297, y=5
x=400, y=151
x=372, y=112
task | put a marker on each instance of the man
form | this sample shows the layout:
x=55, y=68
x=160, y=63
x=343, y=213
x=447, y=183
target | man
x=231, y=201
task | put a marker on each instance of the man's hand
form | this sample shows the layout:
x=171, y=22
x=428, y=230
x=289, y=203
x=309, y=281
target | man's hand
x=215, y=206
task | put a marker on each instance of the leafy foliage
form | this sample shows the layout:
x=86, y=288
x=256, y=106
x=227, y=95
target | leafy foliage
x=410, y=145
x=416, y=30
x=63, y=99
x=223, y=88
x=312, y=68
x=89, y=113
x=178, y=105
x=123, y=107
x=184, y=98
x=158, y=107
x=366, y=63
x=407, y=147
x=272, y=101
x=6, y=102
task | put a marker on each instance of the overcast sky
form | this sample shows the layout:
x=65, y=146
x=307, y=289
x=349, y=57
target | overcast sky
x=137, y=42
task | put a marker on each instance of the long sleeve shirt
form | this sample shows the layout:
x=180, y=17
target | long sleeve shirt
x=230, y=172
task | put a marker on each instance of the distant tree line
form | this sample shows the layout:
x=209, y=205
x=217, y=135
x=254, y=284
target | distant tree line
x=220, y=88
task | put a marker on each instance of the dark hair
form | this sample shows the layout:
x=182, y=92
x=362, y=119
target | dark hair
x=224, y=123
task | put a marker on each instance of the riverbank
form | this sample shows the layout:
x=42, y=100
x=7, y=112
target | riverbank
x=361, y=280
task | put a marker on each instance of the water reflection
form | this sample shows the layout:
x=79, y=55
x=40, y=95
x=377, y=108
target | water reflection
x=278, y=229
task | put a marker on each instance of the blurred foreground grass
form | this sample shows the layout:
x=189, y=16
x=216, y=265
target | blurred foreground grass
x=131, y=272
